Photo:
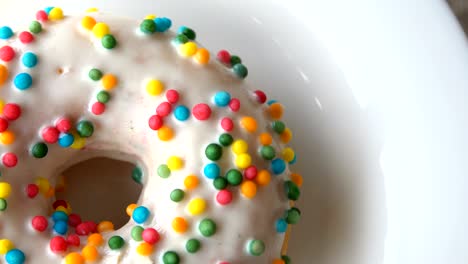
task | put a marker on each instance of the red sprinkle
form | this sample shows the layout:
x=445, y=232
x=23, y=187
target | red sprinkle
x=58, y=203
x=82, y=229
x=74, y=220
x=250, y=173
x=50, y=134
x=201, y=111
x=3, y=124
x=42, y=16
x=32, y=190
x=73, y=240
x=150, y=236
x=224, y=197
x=39, y=223
x=98, y=108
x=58, y=244
x=11, y=111
x=91, y=225
x=234, y=104
x=9, y=160
x=155, y=122
x=224, y=57
x=6, y=53
x=164, y=109
x=26, y=37
x=172, y=96
x=260, y=96
x=227, y=124
x=63, y=125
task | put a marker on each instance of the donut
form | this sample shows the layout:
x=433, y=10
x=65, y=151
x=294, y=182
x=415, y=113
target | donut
x=213, y=153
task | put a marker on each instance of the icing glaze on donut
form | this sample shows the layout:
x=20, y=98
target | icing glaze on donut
x=212, y=151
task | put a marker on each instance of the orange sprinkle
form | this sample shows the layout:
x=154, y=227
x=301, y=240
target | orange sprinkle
x=90, y=253
x=74, y=258
x=50, y=193
x=249, y=124
x=130, y=209
x=88, y=22
x=249, y=189
x=263, y=178
x=109, y=81
x=191, y=182
x=297, y=179
x=144, y=249
x=105, y=226
x=265, y=139
x=95, y=239
x=165, y=133
x=278, y=261
x=7, y=137
x=3, y=74
x=276, y=110
x=286, y=136
x=179, y=225
x=202, y=56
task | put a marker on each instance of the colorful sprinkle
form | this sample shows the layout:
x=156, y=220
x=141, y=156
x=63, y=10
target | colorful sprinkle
x=227, y=124
x=234, y=104
x=9, y=160
x=154, y=87
x=171, y=257
x=207, y=227
x=26, y=37
x=292, y=191
x=281, y=226
x=202, y=56
x=224, y=197
x=148, y=26
x=15, y=256
x=95, y=74
x=249, y=124
x=29, y=59
x=23, y=81
x=164, y=109
x=220, y=183
x=100, y=30
x=212, y=170
x=181, y=113
x=108, y=41
x=187, y=32
x=6, y=32
x=224, y=57
x=191, y=182
x=74, y=258
x=162, y=24
x=260, y=96
x=222, y=98
x=293, y=216
x=263, y=178
x=196, y=206
x=249, y=189
x=85, y=128
x=240, y=70
x=137, y=175
x=3, y=74
x=109, y=81
x=5, y=246
x=175, y=163
x=234, y=177
x=155, y=122
x=137, y=233
x=90, y=253
x=177, y=195
x=56, y=14
x=278, y=166
x=180, y=225
x=267, y=152
x=116, y=242
x=188, y=49
x=225, y=140
x=88, y=22
x=172, y=96
x=144, y=249
x=164, y=171
x=35, y=27
x=150, y=236
x=140, y=214
x=243, y=161
x=214, y=152
x=256, y=247
x=192, y=245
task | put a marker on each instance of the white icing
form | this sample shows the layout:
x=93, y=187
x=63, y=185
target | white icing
x=123, y=130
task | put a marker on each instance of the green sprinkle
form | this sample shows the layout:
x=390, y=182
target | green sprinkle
x=177, y=195
x=181, y=39
x=137, y=175
x=293, y=216
x=292, y=191
x=35, y=27
x=109, y=41
x=85, y=128
x=278, y=127
x=240, y=70
x=116, y=242
x=3, y=204
x=39, y=150
x=103, y=97
x=207, y=227
x=256, y=247
x=95, y=74
x=214, y=152
x=220, y=183
x=164, y=171
x=268, y=152
x=235, y=60
x=189, y=33
x=192, y=245
x=225, y=140
x=286, y=259
x=234, y=177
x=136, y=233
x=148, y=26
x=170, y=257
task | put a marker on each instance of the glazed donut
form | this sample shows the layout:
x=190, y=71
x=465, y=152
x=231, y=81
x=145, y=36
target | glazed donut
x=215, y=165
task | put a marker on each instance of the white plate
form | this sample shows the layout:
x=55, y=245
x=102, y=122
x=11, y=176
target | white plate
x=376, y=94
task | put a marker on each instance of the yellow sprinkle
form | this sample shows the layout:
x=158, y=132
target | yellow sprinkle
x=63, y=209
x=243, y=161
x=100, y=30
x=188, y=49
x=56, y=14
x=74, y=258
x=154, y=87
x=175, y=163
x=88, y=22
x=144, y=249
x=5, y=190
x=196, y=206
x=288, y=154
x=151, y=16
x=43, y=185
x=78, y=142
x=191, y=182
x=92, y=10
x=5, y=246
x=249, y=124
x=240, y=146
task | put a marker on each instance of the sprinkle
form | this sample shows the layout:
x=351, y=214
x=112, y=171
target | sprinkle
x=181, y=39
x=265, y=139
x=56, y=14
x=281, y=226
x=164, y=109
x=151, y=16
x=26, y=37
x=5, y=246
x=137, y=175
x=188, y=49
x=187, y=32
x=3, y=74
x=211, y=170
x=181, y=113
x=11, y=111
x=92, y=10
x=278, y=166
x=263, y=178
x=58, y=244
x=248, y=189
x=88, y=22
x=224, y=197
x=201, y=111
x=116, y=242
x=227, y=124
x=98, y=108
x=250, y=173
x=85, y=128
x=207, y=227
x=109, y=82
x=32, y=190
x=105, y=226
x=196, y=206
x=288, y=154
x=61, y=227
x=90, y=253
x=267, y=152
x=202, y=56
x=35, y=27
x=225, y=140
x=50, y=134
x=3, y=124
x=213, y=152
x=155, y=122
x=234, y=177
x=7, y=137
x=15, y=256
x=23, y=81
x=39, y=223
x=154, y=87
x=170, y=257
x=79, y=142
x=260, y=96
x=164, y=171
x=3, y=205
x=95, y=74
x=137, y=233
x=108, y=41
x=297, y=179
x=278, y=127
x=175, y=163
x=73, y=240
x=234, y=104
x=180, y=225
x=220, y=183
x=243, y=161
x=239, y=147
x=293, y=216
x=95, y=239
x=249, y=124
x=162, y=24
x=222, y=98
x=100, y=30
x=286, y=136
x=191, y=182
x=224, y=57
x=59, y=216
x=177, y=195
x=148, y=26
x=140, y=214
x=66, y=140
x=172, y=96
x=278, y=261
x=292, y=191
x=29, y=59
x=276, y=110
x=286, y=259
x=256, y=247
x=240, y=70
x=130, y=208
x=103, y=97
x=9, y=160
x=6, y=32
x=144, y=249
x=150, y=235
x=192, y=245
x=42, y=16
x=74, y=258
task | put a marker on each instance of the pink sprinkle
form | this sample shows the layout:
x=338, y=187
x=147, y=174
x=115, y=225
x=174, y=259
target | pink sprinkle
x=227, y=124
x=63, y=124
x=58, y=244
x=3, y=124
x=164, y=109
x=223, y=262
x=32, y=190
x=224, y=57
x=224, y=197
x=11, y=111
x=74, y=220
x=98, y=108
x=201, y=111
x=7, y=53
x=42, y=16
x=50, y=134
x=260, y=96
x=39, y=223
x=73, y=240
x=234, y=104
x=150, y=236
x=26, y=37
x=155, y=122
x=250, y=173
x=172, y=96
x=9, y=160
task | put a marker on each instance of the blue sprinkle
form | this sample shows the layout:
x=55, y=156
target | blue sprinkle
x=61, y=227
x=15, y=256
x=222, y=98
x=272, y=102
x=281, y=226
x=278, y=166
x=48, y=9
x=181, y=113
x=29, y=59
x=212, y=170
x=59, y=216
x=5, y=32
x=181, y=29
x=140, y=214
x=66, y=140
x=23, y=81
x=162, y=24
x=293, y=161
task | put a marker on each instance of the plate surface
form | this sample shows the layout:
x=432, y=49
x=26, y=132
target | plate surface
x=375, y=94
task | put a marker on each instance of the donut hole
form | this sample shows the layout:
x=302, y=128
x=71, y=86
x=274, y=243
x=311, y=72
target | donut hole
x=100, y=189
